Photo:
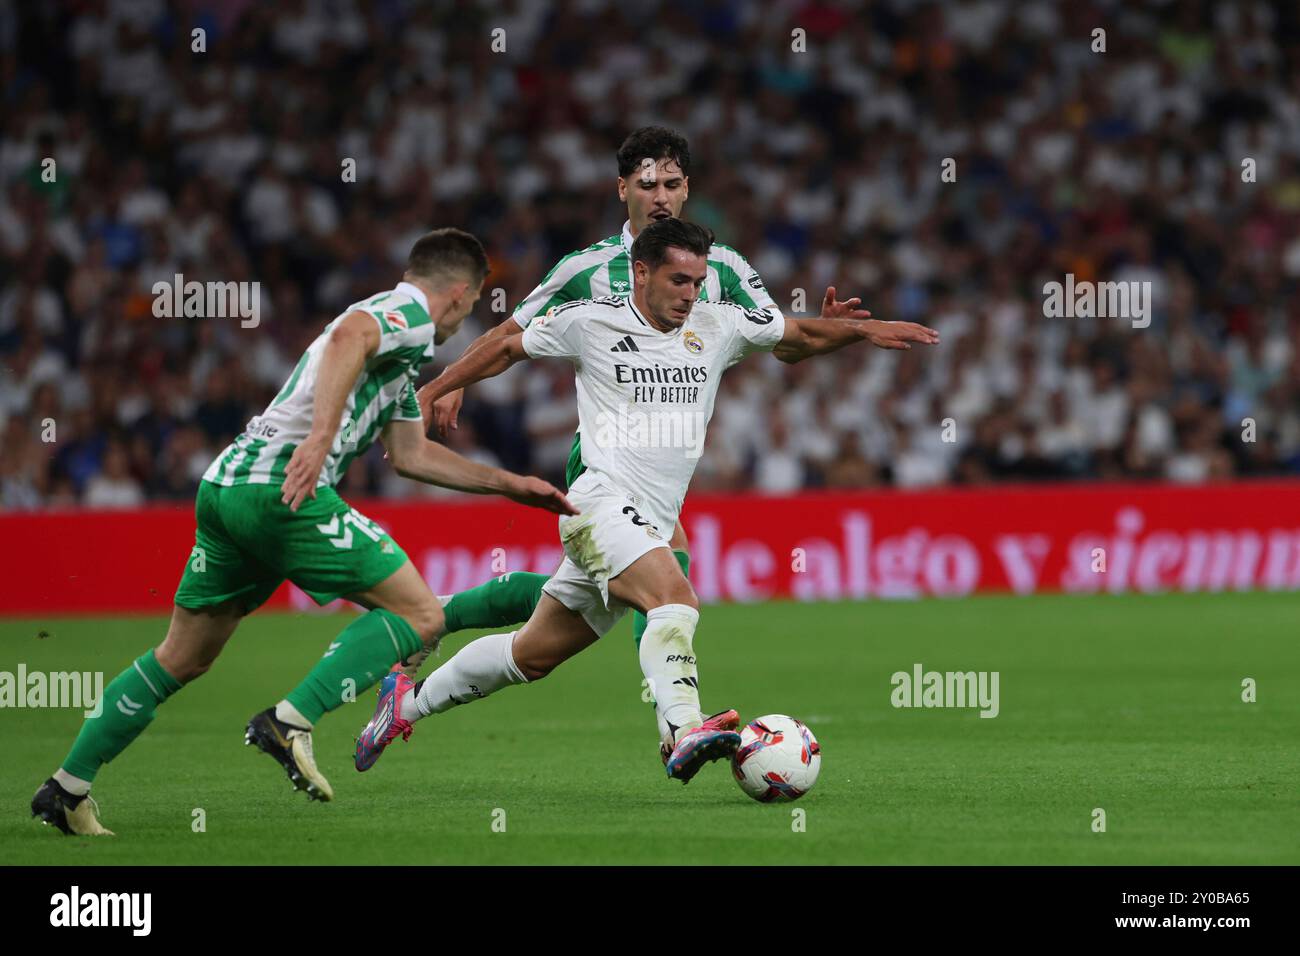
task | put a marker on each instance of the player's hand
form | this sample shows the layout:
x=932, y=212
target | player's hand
x=446, y=410
x=425, y=397
x=848, y=309
x=539, y=494
x=897, y=335
x=304, y=471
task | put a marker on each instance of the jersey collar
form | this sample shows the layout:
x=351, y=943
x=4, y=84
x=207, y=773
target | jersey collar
x=631, y=303
x=415, y=292
x=627, y=237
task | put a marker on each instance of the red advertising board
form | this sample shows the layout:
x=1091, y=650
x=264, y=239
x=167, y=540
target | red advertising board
x=890, y=544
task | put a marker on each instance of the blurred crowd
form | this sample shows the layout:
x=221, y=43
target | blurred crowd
x=819, y=133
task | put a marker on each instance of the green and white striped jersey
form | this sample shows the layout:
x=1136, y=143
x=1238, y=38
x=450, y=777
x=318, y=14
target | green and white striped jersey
x=383, y=392
x=606, y=269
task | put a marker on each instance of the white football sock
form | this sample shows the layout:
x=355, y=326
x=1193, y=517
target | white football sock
x=478, y=669
x=74, y=785
x=286, y=713
x=668, y=663
x=666, y=734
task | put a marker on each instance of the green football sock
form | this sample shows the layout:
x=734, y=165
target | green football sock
x=639, y=622
x=127, y=706
x=500, y=602
x=355, y=661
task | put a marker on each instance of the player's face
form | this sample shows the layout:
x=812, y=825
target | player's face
x=671, y=289
x=653, y=192
x=461, y=306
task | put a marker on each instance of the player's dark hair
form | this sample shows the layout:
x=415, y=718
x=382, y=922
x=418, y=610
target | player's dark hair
x=653, y=242
x=447, y=254
x=653, y=142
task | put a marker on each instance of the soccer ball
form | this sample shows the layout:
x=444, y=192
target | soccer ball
x=779, y=759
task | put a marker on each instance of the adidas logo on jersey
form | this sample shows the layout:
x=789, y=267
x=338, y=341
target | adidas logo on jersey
x=625, y=344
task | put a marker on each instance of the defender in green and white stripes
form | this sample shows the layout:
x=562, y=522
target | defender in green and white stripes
x=267, y=510
x=384, y=392
x=603, y=269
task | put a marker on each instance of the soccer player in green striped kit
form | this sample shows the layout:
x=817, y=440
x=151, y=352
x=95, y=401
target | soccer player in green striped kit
x=654, y=181
x=266, y=510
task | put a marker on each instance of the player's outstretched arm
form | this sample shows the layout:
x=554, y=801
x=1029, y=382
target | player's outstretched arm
x=353, y=340
x=805, y=338
x=419, y=459
x=444, y=412
x=490, y=354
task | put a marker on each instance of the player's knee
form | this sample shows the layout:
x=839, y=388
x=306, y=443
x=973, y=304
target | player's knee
x=534, y=666
x=535, y=671
x=674, y=590
x=195, y=638
x=180, y=662
x=532, y=673
x=682, y=593
x=197, y=669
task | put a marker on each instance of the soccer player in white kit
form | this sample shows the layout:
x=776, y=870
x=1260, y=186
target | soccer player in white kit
x=648, y=368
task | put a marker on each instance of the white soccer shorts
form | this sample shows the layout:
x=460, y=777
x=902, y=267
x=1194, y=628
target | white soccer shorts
x=602, y=541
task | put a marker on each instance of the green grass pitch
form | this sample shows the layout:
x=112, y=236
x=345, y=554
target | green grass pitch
x=1130, y=704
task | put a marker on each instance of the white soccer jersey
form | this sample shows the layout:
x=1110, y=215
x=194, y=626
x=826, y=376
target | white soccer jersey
x=644, y=396
x=383, y=392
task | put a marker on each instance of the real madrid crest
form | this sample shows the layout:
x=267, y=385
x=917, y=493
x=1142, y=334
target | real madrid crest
x=693, y=342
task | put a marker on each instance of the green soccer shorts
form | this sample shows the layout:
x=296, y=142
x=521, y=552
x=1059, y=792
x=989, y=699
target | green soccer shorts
x=248, y=541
